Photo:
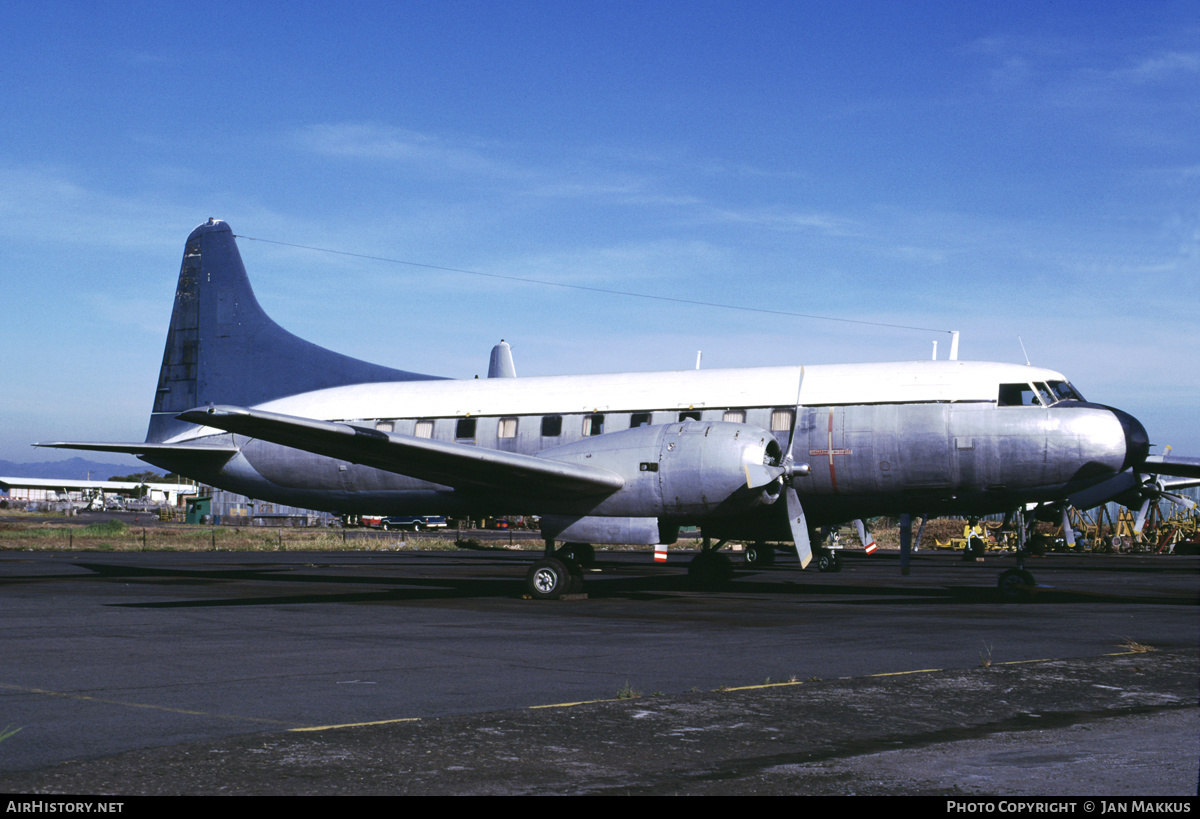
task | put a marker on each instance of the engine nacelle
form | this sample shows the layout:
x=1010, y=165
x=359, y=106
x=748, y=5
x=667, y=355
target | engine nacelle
x=689, y=470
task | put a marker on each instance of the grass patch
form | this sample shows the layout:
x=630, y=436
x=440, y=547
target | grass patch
x=108, y=528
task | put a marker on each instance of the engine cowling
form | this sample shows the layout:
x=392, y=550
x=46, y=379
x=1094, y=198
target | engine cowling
x=689, y=470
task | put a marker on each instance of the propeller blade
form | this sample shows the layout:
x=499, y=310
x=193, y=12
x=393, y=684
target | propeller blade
x=799, y=526
x=1185, y=502
x=795, y=417
x=1068, y=530
x=1141, y=516
x=762, y=474
x=868, y=542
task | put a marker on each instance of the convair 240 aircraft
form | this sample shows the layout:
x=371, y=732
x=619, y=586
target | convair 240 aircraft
x=753, y=454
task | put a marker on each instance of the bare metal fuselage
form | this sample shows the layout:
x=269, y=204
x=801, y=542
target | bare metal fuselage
x=865, y=460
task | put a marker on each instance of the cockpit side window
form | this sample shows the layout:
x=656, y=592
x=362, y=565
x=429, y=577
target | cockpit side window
x=1044, y=395
x=1016, y=395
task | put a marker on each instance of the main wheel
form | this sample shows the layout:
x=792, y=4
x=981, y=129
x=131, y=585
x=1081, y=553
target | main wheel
x=1015, y=585
x=760, y=555
x=548, y=579
x=826, y=561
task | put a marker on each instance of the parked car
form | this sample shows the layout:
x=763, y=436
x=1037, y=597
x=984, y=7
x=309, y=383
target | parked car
x=416, y=523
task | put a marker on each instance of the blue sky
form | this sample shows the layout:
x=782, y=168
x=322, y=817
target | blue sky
x=1012, y=169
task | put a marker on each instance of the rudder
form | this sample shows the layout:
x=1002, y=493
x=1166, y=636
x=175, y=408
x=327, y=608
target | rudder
x=223, y=349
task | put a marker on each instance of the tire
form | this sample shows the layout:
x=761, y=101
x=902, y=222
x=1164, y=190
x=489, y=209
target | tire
x=417, y=526
x=1015, y=585
x=825, y=561
x=548, y=579
x=837, y=561
x=760, y=555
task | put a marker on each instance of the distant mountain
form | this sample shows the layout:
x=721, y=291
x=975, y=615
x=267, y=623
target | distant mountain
x=71, y=469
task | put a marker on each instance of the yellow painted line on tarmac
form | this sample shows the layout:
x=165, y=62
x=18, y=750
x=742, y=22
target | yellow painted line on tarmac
x=581, y=702
x=354, y=724
x=902, y=673
x=1024, y=662
x=1132, y=651
x=127, y=704
x=763, y=685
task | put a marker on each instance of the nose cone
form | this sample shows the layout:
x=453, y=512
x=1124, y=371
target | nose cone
x=1137, y=442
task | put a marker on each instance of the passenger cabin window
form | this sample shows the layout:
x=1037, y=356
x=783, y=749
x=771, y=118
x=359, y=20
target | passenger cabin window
x=465, y=429
x=424, y=429
x=593, y=424
x=735, y=416
x=639, y=419
x=689, y=415
x=507, y=428
x=385, y=426
x=551, y=426
x=781, y=420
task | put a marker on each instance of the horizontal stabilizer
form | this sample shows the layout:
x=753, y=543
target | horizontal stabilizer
x=222, y=450
x=460, y=466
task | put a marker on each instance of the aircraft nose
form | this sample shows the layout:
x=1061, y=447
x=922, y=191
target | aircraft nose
x=1137, y=442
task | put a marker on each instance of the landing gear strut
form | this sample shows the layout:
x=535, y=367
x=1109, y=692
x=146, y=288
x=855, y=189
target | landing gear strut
x=829, y=560
x=1016, y=585
x=710, y=569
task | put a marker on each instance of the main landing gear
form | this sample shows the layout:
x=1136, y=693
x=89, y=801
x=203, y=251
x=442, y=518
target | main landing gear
x=828, y=560
x=710, y=569
x=759, y=555
x=559, y=572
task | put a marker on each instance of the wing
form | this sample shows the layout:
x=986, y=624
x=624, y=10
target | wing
x=457, y=465
x=1173, y=465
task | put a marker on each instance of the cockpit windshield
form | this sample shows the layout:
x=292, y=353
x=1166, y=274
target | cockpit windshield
x=1037, y=394
x=1064, y=391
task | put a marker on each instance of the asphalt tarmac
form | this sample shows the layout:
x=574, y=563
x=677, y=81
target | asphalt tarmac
x=410, y=672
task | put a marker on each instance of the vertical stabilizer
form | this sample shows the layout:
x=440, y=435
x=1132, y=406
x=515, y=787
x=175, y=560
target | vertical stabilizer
x=223, y=349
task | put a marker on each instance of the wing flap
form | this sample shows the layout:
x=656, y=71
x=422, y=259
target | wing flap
x=460, y=466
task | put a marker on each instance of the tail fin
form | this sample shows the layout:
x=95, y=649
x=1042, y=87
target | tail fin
x=223, y=349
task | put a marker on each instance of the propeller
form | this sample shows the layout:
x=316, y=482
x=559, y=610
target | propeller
x=1133, y=488
x=1154, y=490
x=796, y=519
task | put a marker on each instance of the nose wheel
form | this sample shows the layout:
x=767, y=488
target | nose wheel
x=1017, y=585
